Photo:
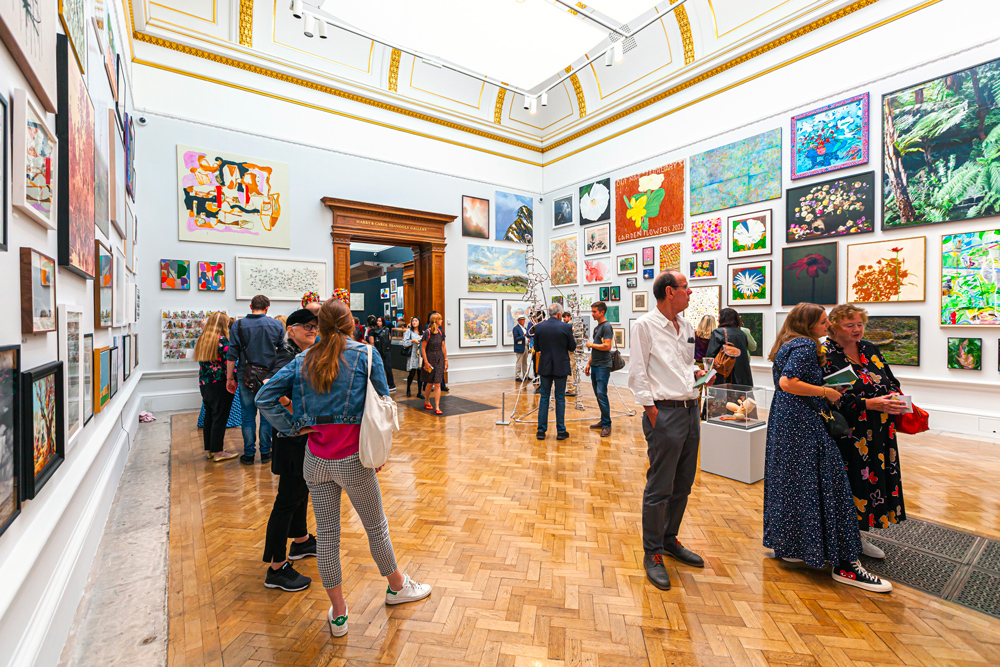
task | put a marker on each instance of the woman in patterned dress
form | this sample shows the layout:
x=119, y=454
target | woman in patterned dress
x=808, y=511
x=435, y=358
x=870, y=453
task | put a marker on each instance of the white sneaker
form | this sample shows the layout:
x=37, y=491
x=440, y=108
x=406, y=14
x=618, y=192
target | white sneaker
x=791, y=560
x=871, y=550
x=853, y=574
x=338, y=626
x=410, y=592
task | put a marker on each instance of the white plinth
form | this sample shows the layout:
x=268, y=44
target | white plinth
x=733, y=452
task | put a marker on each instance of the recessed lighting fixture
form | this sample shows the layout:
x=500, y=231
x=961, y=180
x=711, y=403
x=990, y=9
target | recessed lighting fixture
x=297, y=8
x=322, y=29
x=545, y=99
x=309, y=28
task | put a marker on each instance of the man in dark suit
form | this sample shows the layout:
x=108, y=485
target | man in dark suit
x=554, y=341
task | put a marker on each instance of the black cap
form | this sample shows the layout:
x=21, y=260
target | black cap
x=300, y=316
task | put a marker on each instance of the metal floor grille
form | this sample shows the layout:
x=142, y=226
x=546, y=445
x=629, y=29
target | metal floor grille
x=950, y=564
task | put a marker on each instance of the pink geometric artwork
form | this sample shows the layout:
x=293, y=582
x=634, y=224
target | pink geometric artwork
x=706, y=235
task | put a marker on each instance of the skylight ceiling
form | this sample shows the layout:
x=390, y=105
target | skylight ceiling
x=520, y=42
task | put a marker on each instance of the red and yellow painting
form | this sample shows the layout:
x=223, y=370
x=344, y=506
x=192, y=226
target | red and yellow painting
x=79, y=200
x=43, y=411
x=650, y=204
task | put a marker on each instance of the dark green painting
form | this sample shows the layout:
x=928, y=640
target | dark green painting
x=897, y=338
x=965, y=354
x=809, y=274
x=755, y=323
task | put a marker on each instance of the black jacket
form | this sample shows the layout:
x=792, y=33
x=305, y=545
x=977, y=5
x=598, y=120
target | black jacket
x=288, y=454
x=741, y=369
x=554, y=341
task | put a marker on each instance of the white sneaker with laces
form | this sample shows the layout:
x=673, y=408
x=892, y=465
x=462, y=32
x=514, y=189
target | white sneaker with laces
x=338, y=626
x=853, y=574
x=410, y=592
x=871, y=550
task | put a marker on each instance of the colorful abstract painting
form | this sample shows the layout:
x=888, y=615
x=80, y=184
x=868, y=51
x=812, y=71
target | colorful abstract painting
x=704, y=301
x=596, y=270
x=898, y=338
x=563, y=267
x=43, y=417
x=755, y=323
x=34, y=147
x=73, y=14
x=965, y=354
x=743, y=172
x=670, y=257
x=750, y=283
x=887, y=271
x=839, y=207
x=475, y=217
x=832, y=137
x=628, y=264
x=749, y=234
x=232, y=199
x=595, y=202
x=10, y=473
x=495, y=269
x=514, y=217
x=706, y=235
x=479, y=322
x=970, y=278
x=809, y=273
x=562, y=211
x=702, y=269
x=175, y=274
x=650, y=204
x=212, y=276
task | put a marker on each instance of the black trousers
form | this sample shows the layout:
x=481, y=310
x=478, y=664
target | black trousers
x=414, y=373
x=387, y=363
x=218, y=401
x=291, y=505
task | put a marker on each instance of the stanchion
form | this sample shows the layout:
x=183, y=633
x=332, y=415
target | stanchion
x=503, y=409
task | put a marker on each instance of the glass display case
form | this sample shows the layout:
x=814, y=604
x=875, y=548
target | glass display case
x=737, y=406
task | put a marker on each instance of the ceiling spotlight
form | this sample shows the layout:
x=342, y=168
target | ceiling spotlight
x=322, y=29
x=534, y=105
x=545, y=99
x=297, y=8
x=527, y=104
x=309, y=29
x=619, y=52
x=609, y=57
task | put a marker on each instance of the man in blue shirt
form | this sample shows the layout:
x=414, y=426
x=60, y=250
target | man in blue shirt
x=521, y=350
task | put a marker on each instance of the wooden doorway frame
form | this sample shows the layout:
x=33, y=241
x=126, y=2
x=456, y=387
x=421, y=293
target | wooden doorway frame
x=423, y=231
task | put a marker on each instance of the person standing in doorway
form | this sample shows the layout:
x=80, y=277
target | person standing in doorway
x=380, y=337
x=520, y=350
x=210, y=352
x=599, y=365
x=411, y=342
x=253, y=345
x=554, y=341
x=662, y=376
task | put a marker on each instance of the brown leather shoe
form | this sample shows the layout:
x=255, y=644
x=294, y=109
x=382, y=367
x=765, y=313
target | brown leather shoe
x=597, y=426
x=606, y=432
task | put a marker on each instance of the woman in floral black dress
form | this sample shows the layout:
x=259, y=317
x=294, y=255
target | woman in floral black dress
x=210, y=353
x=870, y=453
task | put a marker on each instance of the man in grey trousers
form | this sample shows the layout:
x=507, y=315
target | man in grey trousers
x=661, y=376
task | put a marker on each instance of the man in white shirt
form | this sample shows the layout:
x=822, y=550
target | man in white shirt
x=661, y=376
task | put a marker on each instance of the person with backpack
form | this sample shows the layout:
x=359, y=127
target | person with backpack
x=380, y=337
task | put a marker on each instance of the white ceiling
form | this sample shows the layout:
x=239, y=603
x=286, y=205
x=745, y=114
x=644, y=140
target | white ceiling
x=520, y=42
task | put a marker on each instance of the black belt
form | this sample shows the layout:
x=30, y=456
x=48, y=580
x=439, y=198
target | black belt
x=689, y=403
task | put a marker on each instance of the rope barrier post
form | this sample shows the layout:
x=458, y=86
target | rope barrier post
x=503, y=408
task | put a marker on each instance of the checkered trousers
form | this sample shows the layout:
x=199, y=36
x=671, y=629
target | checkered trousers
x=326, y=478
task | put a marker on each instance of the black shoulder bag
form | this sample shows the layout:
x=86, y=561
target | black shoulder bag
x=253, y=375
x=834, y=422
x=617, y=363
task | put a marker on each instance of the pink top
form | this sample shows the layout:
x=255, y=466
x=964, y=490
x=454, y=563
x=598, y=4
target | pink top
x=335, y=441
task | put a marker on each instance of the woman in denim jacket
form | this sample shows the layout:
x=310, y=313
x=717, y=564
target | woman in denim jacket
x=328, y=384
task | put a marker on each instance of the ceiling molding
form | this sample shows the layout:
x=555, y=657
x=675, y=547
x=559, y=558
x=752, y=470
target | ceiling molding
x=581, y=101
x=246, y=23
x=684, y=23
x=498, y=107
x=394, y=70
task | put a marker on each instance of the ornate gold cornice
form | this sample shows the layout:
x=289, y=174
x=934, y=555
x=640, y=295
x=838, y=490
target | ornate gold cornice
x=498, y=107
x=685, y=27
x=394, y=70
x=246, y=23
x=581, y=103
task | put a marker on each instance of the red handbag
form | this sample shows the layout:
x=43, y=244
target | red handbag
x=912, y=422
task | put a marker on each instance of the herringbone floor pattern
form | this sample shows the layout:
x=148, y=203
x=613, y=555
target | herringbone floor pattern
x=533, y=549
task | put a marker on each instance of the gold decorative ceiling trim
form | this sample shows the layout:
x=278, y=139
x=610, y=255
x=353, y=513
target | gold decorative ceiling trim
x=581, y=103
x=246, y=23
x=287, y=78
x=394, y=69
x=498, y=107
x=685, y=27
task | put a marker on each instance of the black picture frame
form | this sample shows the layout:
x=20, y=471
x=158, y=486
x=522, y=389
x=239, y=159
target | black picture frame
x=10, y=418
x=113, y=366
x=795, y=203
x=616, y=293
x=126, y=356
x=32, y=481
x=797, y=268
x=887, y=323
x=631, y=282
x=88, y=379
x=5, y=167
x=120, y=100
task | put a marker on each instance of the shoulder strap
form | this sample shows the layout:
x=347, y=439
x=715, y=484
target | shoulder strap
x=243, y=342
x=369, y=361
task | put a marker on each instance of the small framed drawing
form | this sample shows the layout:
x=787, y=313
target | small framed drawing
x=34, y=162
x=38, y=292
x=70, y=353
x=649, y=256
x=562, y=211
x=631, y=283
x=280, y=279
x=647, y=274
x=640, y=301
x=749, y=234
x=619, y=334
x=597, y=239
x=43, y=436
x=628, y=264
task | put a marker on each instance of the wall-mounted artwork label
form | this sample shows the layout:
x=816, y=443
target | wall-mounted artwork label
x=829, y=138
x=279, y=279
x=514, y=217
x=970, y=278
x=496, y=269
x=650, y=204
x=232, y=199
x=475, y=217
x=743, y=172
x=838, y=207
x=479, y=322
x=595, y=202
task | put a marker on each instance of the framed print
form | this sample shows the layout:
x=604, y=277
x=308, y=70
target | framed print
x=597, y=270
x=832, y=137
x=212, y=276
x=613, y=314
x=706, y=235
x=595, y=202
x=120, y=84
x=38, y=292
x=650, y=204
x=749, y=234
x=102, y=377
x=704, y=301
x=11, y=476
x=619, y=336
x=118, y=298
x=640, y=301
x=562, y=211
x=965, y=354
x=631, y=282
x=386, y=309
x=130, y=157
x=110, y=54
x=559, y=299
x=129, y=239
x=649, y=256
x=887, y=271
x=897, y=337
x=103, y=156
x=129, y=298
x=28, y=30
x=279, y=279
x=702, y=269
x=475, y=217
x=496, y=269
x=809, y=273
x=604, y=293
x=70, y=351
x=73, y=15
x=564, y=266
x=514, y=215
x=743, y=172
x=628, y=264
x=104, y=286
x=135, y=350
x=755, y=323
x=670, y=257
x=647, y=274
x=43, y=439
x=586, y=299
x=126, y=360
x=392, y=300
x=750, y=283
x=34, y=165
x=114, y=369
x=479, y=322
x=383, y=293
x=4, y=191
x=512, y=309
x=87, y=358
x=392, y=285
x=839, y=207
x=970, y=288
x=616, y=293
x=597, y=239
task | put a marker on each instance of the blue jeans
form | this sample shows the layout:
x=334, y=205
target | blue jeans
x=599, y=376
x=543, y=404
x=249, y=426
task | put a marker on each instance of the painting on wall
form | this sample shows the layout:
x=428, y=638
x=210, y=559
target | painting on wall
x=103, y=152
x=28, y=29
x=103, y=286
x=129, y=239
x=563, y=260
x=650, y=204
x=102, y=377
x=940, y=141
x=70, y=342
x=73, y=14
x=647, y=274
x=227, y=198
x=649, y=256
x=562, y=211
x=595, y=202
x=604, y=293
x=749, y=234
x=965, y=354
x=514, y=217
x=670, y=257
x=118, y=299
x=10, y=446
x=628, y=264
x=596, y=270
x=179, y=331
x=212, y=276
x=898, y=338
x=755, y=323
x=616, y=293
x=613, y=314
x=832, y=137
x=631, y=283
x=497, y=269
x=706, y=235
x=887, y=271
x=42, y=428
x=970, y=278
x=743, y=172
x=117, y=186
x=5, y=169
x=704, y=301
x=279, y=279
x=87, y=359
x=750, y=283
x=479, y=322
x=640, y=301
x=34, y=166
x=475, y=217
x=115, y=369
x=838, y=207
x=512, y=309
x=175, y=274
x=809, y=273
x=597, y=239
x=75, y=128
x=703, y=269
x=38, y=292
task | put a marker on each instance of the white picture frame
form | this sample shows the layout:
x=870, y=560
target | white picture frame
x=279, y=279
x=118, y=295
x=71, y=353
x=483, y=306
x=511, y=309
x=25, y=110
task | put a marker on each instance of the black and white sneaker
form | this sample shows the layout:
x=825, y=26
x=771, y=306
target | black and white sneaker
x=299, y=550
x=853, y=574
x=286, y=578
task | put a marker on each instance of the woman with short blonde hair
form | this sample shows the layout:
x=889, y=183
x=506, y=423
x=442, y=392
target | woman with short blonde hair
x=210, y=353
x=702, y=334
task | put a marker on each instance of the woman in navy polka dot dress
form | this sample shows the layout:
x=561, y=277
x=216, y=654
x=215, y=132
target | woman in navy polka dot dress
x=808, y=508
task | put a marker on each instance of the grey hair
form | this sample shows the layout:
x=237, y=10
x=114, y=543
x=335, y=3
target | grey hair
x=555, y=310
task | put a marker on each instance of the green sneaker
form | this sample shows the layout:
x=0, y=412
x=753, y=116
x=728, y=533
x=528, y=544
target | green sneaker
x=338, y=626
x=410, y=592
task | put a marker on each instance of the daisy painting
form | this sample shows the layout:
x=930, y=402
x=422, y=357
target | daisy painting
x=750, y=283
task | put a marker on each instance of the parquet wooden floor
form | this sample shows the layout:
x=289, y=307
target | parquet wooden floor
x=534, y=551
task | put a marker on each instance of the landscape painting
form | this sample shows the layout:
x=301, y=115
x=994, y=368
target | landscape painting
x=897, y=338
x=839, y=207
x=650, y=204
x=809, y=273
x=495, y=269
x=595, y=202
x=514, y=217
x=832, y=137
x=743, y=172
x=475, y=217
x=970, y=278
x=563, y=267
x=887, y=271
x=479, y=322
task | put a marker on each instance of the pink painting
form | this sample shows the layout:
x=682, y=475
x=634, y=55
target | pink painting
x=706, y=235
x=596, y=270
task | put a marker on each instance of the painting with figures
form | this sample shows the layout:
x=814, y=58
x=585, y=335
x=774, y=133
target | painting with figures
x=35, y=165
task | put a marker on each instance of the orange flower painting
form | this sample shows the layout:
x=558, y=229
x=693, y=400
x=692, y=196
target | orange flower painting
x=563, y=267
x=886, y=271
